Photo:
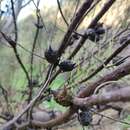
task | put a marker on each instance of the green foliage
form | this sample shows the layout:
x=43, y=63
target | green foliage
x=127, y=119
x=53, y=105
x=57, y=82
x=18, y=82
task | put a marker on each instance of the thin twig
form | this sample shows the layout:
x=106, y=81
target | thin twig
x=5, y=95
x=59, y=6
x=62, y=15
x=14, y=19
x=33, y=47
x=116, y=120
x=30, y=52
x=28, y=2
x=41, y=17
x=21, y=64
x=32, y=56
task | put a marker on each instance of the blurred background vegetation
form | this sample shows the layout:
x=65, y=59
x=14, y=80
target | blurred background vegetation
x=12, y=76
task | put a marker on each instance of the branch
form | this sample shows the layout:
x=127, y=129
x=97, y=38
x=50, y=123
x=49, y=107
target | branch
x=28, y=2
x=21, y=64
x=5, y=95
x=14, y=19
x=114, y=54
x=104, y=46
x=32, y=56
x=76, y=7
x=94, y=4
x=42, y=22
x=112, y=76
x=123, y=94
x=81, y=42
x=59, y=6
x=85, y=6
x=54, y=122
x=107, y=5
x=115, y=75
